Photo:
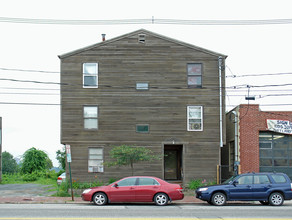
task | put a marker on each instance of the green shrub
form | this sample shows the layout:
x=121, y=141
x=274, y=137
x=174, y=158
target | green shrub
x=194, y=184
x=30, y=177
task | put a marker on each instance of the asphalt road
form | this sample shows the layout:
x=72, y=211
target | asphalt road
x=136, y=211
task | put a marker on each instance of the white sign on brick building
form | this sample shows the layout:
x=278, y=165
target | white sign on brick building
x=280, y=126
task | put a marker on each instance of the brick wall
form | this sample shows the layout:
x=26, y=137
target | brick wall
x=251, y=122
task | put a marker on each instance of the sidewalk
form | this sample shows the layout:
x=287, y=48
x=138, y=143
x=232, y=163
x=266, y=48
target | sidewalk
x=62, y=200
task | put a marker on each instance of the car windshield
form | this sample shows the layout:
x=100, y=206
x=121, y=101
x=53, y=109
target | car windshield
x=228, y=181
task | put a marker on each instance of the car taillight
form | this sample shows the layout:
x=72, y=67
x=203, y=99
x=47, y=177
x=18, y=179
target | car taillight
x=179, y=189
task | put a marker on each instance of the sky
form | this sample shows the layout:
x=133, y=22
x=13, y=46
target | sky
x=259, y=56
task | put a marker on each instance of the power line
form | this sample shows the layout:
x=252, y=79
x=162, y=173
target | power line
x=252, y=75
x=22, y=70
x=32, y=81
x=145, y=21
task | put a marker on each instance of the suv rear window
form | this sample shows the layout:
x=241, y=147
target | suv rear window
x=279, y=178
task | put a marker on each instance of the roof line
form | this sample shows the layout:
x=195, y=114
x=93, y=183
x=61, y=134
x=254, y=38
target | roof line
x=74, y=52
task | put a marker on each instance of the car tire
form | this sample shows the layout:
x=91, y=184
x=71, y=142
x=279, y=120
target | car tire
x=218, y=199
x=276, y=199
x=99, y=198
x=210, y=202
x=161, y=199
x=264, y=202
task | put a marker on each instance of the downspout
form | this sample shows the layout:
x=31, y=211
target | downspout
x=221, y=104
x=235, y=137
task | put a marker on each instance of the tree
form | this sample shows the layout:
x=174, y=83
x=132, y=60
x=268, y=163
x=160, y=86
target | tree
x=127, y=155
x=9, y=164
x=61, y=157
x=35, y=160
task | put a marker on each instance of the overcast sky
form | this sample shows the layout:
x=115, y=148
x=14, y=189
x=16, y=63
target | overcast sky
x=251, y=49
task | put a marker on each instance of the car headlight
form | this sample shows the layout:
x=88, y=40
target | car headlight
x=203, y=189
x=87, y=191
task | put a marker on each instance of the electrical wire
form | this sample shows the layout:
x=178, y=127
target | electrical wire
x=145, y=21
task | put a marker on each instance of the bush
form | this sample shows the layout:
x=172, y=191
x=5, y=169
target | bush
x=194, y=184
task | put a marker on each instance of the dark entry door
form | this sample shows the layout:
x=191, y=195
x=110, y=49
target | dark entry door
x=173, y=162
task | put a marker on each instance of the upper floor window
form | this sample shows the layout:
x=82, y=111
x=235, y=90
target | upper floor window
x=90, y=115
x=194, y=75
x=195, y=118
x=90, y=75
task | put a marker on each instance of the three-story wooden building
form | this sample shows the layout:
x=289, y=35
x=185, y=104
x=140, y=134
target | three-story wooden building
x=145, y=90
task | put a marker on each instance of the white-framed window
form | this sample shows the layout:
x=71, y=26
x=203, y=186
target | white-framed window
x=195, y=118
x=142, y=86
x=95, y=159
x=90, y=75
x=194, y=71
x=90, y=116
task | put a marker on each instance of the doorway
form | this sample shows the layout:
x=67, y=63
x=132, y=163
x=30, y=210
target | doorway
x=173, y=162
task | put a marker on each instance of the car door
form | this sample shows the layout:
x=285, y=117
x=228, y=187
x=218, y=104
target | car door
x=261, y=186
x=242, y=188
x=123, y=190
x=146, y=189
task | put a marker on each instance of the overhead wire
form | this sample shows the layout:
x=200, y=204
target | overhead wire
x=144, y=21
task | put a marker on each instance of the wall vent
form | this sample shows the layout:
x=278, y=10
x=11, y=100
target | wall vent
x=141, y=38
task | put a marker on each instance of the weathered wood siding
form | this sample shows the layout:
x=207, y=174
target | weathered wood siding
x=122, y=63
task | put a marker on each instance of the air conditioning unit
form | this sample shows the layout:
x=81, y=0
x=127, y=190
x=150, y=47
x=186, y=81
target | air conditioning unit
x=196, y=126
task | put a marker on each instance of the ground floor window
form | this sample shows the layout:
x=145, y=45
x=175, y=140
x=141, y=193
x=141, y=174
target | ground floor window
x=275, y=152
x=95, y=159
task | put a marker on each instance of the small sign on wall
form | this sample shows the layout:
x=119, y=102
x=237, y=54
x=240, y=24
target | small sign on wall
x=280, y=126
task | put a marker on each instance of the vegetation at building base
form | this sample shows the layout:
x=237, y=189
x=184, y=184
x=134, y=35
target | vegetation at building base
x=196, y=183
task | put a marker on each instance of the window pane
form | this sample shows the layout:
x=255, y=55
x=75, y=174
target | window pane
x=95, y=150
x=142, y=86
x=245, y=180
x=127, y=182
x=194, y=80
x=147, y=182
x=265, y=162
x=261, y=179
x=279, y=178
x=280, y=162
x=90, y=81
x=90, y=112
x=195, y=112
x=90, y=68
x=142, y=128
x=90, y=123
x=194, y=69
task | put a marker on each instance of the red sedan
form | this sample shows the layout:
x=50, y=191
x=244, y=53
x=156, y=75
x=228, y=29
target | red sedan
x=135, y=189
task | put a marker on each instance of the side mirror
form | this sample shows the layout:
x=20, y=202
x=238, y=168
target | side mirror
x=115, y=185
x=235, y=182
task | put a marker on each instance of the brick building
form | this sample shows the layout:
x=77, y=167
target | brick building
x=258, y=140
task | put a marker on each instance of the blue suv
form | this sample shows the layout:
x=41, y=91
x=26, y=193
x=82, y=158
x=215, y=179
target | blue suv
x=267, y=188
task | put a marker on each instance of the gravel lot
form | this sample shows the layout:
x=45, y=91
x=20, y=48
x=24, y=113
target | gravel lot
x=26, y=190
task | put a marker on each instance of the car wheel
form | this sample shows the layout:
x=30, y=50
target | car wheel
x=100, y=198
x=218, y=199
x=276, y=199
x=264, y=202
x=161, y=199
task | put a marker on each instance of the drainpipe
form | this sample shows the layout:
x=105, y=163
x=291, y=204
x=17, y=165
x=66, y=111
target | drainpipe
x=220, y=96
x=236, y=162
